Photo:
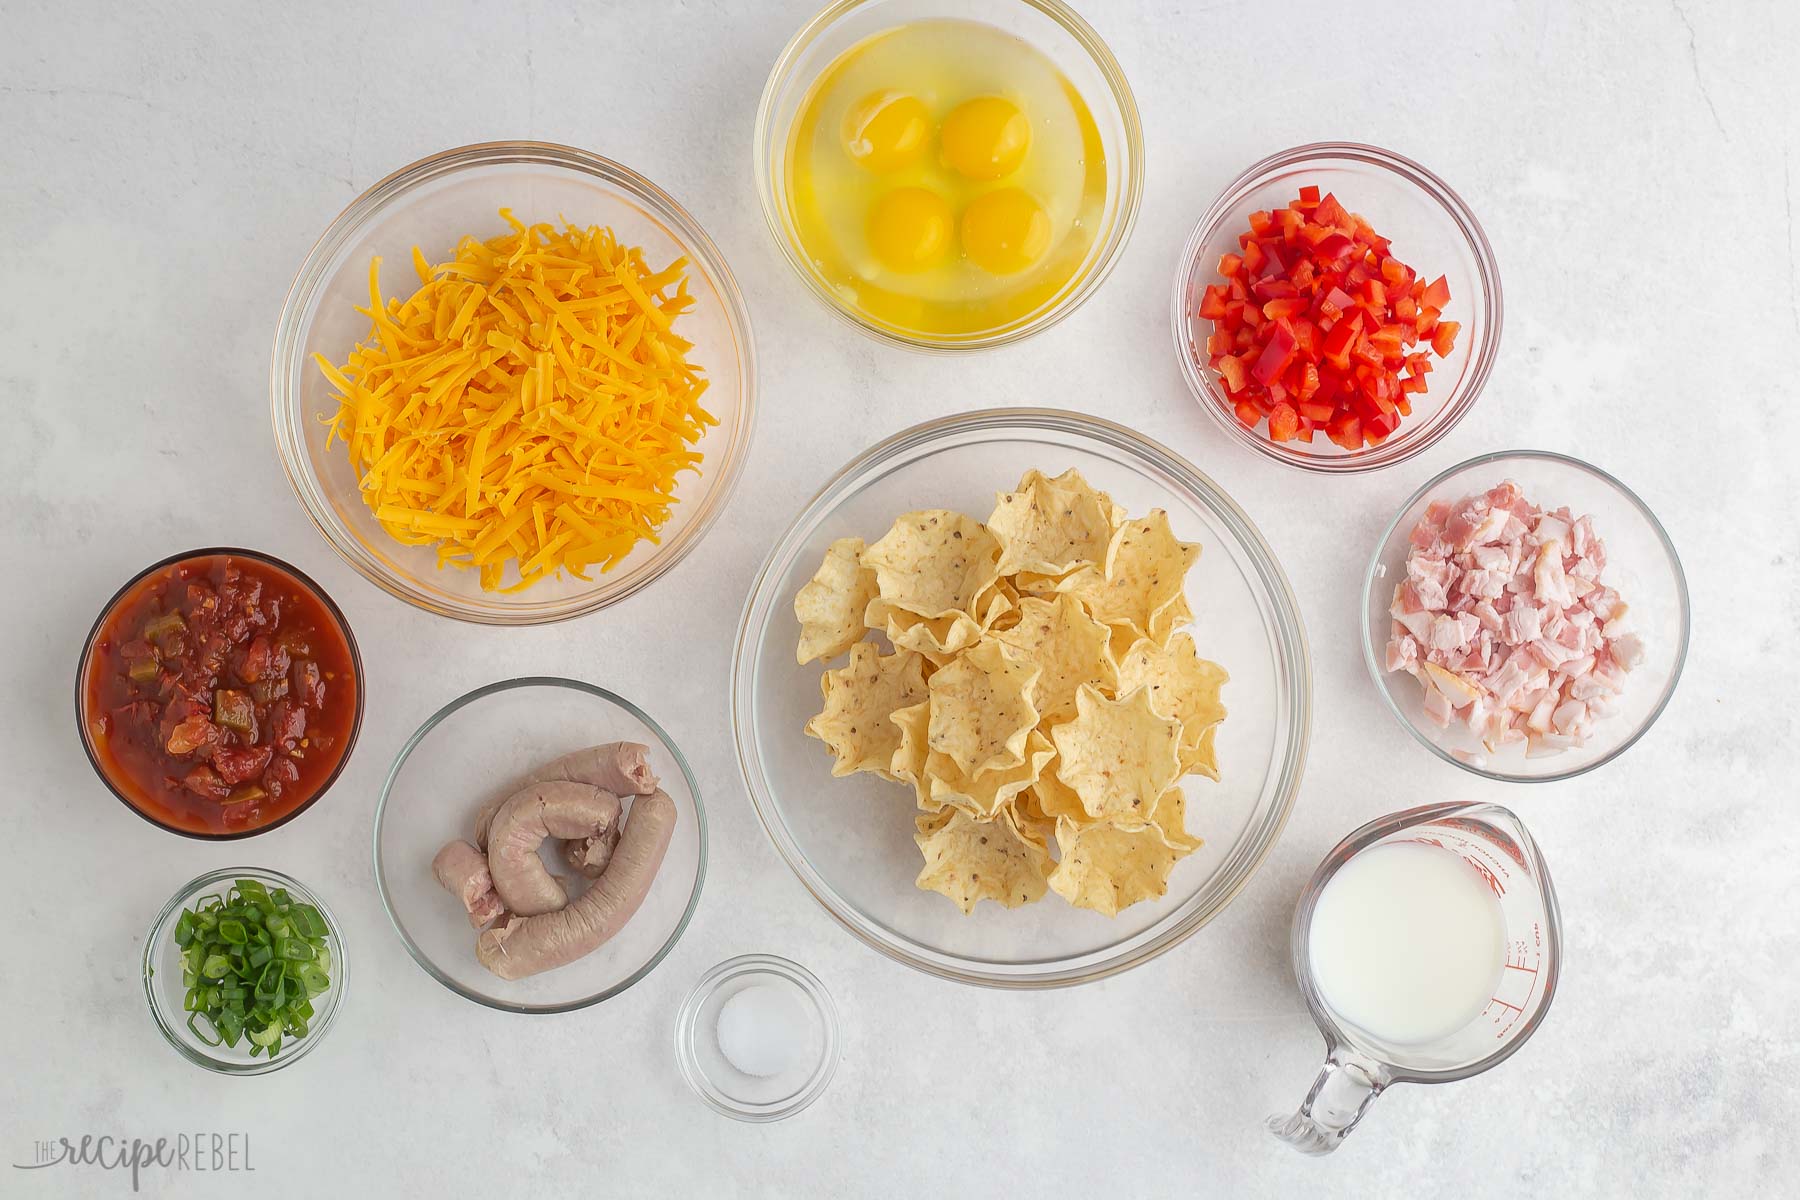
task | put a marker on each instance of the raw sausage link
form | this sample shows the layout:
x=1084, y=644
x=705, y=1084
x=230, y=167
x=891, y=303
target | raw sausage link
x=528, y=945
x=533, y=813
x=622, y=768
x=463, y=871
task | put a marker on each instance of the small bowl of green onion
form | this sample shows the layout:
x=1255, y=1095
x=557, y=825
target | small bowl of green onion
x=244, y=969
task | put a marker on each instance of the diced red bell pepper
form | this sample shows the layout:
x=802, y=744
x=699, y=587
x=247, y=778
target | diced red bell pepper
x=1306, y=338
x=1346, y=430
x=1317, y=326
x=1336, y=249
x=1336, y=348
x=1277, y=352
x=1274, y=261
x=1273, y=287
x=1444, y=340
x=1284, y=423
x=1313, y=233
x=1302, y=380
x=1232, y=369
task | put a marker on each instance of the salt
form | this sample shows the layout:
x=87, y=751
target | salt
x=761, y=1029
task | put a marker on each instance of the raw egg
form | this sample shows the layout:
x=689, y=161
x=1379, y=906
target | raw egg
x=986, y=138
x=943, y=179
x=1005, y=231
x=887, y=130
x=910, y=228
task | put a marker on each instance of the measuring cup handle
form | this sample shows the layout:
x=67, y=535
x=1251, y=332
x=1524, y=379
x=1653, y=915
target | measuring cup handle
x=1339, y=1097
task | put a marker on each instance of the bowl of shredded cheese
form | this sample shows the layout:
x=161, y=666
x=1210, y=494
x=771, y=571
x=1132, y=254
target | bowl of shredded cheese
x=513, y=383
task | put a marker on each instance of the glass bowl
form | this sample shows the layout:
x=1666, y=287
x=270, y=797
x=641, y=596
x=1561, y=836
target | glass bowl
x=164, y=990
x=850, y=839
x=1640, y=563
x=431, y=204
x=479, y=747
x=1433, y=232
x=84, y=716
x=1049, y=26
x=712, y=1075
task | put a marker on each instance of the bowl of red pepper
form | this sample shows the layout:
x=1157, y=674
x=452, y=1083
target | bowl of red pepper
x=220, y=693
x=1337, y=308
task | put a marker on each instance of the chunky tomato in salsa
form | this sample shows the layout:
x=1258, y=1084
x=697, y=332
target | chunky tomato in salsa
x=220, y=694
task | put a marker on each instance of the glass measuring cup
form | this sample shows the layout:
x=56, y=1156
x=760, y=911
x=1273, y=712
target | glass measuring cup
x=1360, y=1065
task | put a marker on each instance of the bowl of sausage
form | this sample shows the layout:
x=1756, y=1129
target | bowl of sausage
x=540, y=845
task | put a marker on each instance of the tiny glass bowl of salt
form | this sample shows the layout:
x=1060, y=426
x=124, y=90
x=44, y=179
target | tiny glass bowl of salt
x=757, y=1038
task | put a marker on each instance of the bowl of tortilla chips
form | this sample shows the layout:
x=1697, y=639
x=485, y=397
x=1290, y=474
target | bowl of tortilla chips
x=1022, y=697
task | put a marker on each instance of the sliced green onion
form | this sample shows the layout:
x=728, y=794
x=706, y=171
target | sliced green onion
x=211, y=1038
x=296, y=949
x=308, y=921
x=252, y=962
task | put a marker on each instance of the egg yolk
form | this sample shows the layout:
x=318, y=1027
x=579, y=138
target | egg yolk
x=1005, y=231
x=887, y=130
x=986, y=138
x=910, y=228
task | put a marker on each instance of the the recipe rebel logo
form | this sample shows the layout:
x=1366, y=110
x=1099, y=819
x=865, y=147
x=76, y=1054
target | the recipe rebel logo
x=192, y=1153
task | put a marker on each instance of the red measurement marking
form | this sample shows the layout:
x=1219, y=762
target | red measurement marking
x=1487, y=876
x=1504, y=1004
x=1517, y=967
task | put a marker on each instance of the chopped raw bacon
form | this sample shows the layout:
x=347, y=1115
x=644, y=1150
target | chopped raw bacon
x=1504, y=621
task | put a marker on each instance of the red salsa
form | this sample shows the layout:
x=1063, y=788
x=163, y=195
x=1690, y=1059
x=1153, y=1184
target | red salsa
x=220, y=694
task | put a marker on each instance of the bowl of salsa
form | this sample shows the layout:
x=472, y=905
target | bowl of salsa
x=220, y=693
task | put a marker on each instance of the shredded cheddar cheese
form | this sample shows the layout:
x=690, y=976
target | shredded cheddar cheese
x=527, y=410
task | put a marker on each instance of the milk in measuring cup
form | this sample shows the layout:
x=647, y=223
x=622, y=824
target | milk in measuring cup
x=1407, y=942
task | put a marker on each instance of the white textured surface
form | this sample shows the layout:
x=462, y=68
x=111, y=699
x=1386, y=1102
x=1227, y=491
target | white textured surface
x=162, y=171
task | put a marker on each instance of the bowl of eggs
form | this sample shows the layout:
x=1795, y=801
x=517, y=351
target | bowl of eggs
x=949, y=177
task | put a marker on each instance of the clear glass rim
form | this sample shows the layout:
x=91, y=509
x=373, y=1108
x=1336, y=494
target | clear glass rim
x=1376, y=673
x=481, y=693
x=87, y=652
x=1292, y=647
x=769, y=192
x=728, y=469
x=1365, y=836
x=178, y=1036
x=687, y=1016
x=1397, y=449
